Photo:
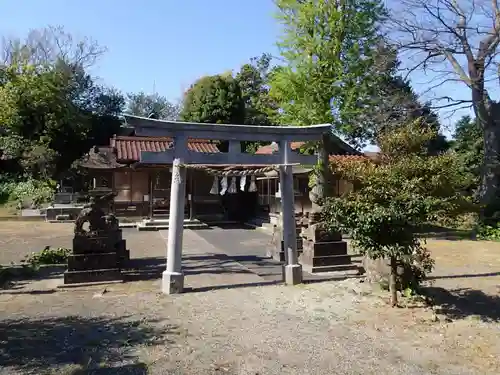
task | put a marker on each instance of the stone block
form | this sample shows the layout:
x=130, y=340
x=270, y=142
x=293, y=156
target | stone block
x=84, y=244
x=92, y=276
x=325, y=248
x=318, y=233
x=335, y=260
x=93, y=261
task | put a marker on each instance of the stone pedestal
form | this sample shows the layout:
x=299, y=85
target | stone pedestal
x=323, y=251
x=97, y=256
x=172, y=282
x=293, y=274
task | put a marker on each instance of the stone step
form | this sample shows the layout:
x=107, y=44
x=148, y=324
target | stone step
x=162, y=221
x=333, y=260
x=76, y=277
x=345, y=268
x=156, y=227
x=94, y=261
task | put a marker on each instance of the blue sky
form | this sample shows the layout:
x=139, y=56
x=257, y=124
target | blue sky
x=153, y=43
x=159, y=45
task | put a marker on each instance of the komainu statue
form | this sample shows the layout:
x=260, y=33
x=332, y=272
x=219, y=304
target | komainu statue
x=99, y=253
x=93, y=214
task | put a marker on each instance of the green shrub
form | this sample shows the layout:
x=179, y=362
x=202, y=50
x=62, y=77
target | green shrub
x=488, y=233
x=28, y=192
x=48, y=256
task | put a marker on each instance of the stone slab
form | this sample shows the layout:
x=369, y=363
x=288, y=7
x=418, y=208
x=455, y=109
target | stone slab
x=206, y=266
x=334, y=260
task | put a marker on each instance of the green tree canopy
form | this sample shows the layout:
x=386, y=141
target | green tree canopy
x=54, y=113
x=214, y=99
x=469, y=145
x=329, y=52
x=253, y=79
x=394, y=103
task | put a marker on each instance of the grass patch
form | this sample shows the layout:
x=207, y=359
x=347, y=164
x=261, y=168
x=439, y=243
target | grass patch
x=48, y=256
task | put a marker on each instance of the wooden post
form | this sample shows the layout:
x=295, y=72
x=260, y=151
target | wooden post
x=191, y=194
x=293, y=270
x=173, y=278
x=151, y=187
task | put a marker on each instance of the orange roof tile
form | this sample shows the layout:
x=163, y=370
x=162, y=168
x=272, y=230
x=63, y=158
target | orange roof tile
x=129, y=148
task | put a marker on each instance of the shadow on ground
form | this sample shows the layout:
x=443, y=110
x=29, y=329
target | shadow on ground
x=464, y=276
x=35, y=346
x=152, y=268
x=144, y=269
x=21, y=275
x=463, y=303
x=135, y=369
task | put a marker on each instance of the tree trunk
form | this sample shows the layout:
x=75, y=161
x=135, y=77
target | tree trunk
x=490, y=182
x=393, y=281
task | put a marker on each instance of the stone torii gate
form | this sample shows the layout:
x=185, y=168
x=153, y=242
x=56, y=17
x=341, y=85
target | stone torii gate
x=179, y=156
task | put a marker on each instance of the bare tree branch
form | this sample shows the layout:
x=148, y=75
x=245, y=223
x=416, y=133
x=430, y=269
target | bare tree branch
x=49, y=45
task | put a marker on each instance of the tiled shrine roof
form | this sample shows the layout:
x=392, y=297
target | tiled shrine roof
x=295, y=146
x=128, y=148
x=125, y=150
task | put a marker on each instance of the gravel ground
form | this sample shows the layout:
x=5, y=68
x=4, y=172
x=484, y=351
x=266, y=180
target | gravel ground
x=18, y=239
x=327, y=328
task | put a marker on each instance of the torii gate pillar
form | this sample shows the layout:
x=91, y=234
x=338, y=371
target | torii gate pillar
x=172, y=277
x=293, y=270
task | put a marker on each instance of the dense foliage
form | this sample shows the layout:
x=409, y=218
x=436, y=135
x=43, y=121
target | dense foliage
x=394, y=103
x=395, y=198
x=468, y=143
x=329, y=53
x=253, y=80
x=51, y=112
x=214, y=99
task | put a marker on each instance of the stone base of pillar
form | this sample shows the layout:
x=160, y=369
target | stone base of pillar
x=292, y=274
x=172, y=282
